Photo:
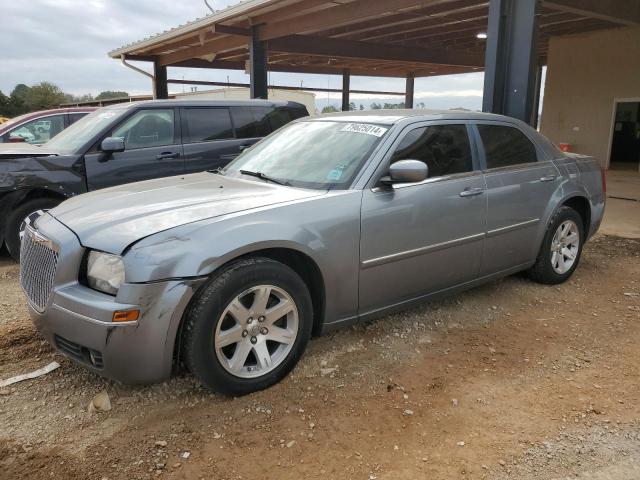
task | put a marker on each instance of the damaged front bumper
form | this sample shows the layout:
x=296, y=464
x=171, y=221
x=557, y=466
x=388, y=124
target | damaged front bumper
x=77, y=320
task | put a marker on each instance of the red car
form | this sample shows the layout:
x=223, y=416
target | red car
x=40, y=127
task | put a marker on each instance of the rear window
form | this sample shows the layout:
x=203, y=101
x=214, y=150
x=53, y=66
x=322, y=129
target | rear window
x=206, y=124
x=506, y=146
x=244, y=122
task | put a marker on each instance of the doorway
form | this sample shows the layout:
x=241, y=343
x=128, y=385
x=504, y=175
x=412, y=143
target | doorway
x=625, y=137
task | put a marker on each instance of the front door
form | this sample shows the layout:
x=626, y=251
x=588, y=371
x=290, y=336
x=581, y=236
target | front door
x=519, y=191
x=422, y=238
x=152, y=150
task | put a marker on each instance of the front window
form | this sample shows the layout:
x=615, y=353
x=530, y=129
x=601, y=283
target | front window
x=38, y=131
x=84, y=130
x=147, y=128
x=318, y=154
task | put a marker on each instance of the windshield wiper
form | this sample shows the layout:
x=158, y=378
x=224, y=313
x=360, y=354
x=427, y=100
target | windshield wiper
x=262, y=176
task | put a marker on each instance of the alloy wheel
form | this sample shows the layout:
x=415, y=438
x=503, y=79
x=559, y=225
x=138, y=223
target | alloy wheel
x=256, y=331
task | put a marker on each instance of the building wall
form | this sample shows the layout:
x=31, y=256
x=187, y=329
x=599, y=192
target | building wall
x=308, y=99
x=585, y=73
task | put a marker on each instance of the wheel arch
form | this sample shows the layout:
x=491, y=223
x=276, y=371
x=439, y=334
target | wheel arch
x=581, y=205
x=17, y=197
x=298, y=261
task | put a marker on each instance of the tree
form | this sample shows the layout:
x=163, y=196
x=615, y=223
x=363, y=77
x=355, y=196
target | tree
x=361, y=107
x=111, y=94
x=45, y=95
x=352, y=106
x=375, y=106
x=329, y=109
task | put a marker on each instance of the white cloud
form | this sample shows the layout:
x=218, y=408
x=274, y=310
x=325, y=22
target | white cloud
x=66, y=42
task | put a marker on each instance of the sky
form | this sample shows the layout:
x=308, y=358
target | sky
x=66, y=42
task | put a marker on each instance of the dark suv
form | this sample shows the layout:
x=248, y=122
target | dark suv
x=127, y=143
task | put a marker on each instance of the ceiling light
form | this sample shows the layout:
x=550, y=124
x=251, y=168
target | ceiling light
x=481, y=35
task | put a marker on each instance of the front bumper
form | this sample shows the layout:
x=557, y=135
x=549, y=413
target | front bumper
x=77, y=320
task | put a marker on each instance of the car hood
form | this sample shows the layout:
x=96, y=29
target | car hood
x=18, y=150
x=112, y=219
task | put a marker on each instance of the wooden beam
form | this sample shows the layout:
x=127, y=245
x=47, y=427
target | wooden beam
x=280, y=87
x=622, y=12
x=339, y=15
x=222, y=44
x=397, y=72
x=333, y=47
x=226, y=29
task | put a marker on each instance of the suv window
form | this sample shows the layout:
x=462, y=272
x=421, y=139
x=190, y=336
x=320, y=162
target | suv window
x=505, y=146
x=74, y=117
x=39, y=130
x=206, y=124
x=147, y=128
x=280, y=117
x=244, y=122
x=444, y=148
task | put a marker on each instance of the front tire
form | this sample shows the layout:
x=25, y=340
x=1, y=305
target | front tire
x=561, y=248
x=247, y=327
x=19, y=216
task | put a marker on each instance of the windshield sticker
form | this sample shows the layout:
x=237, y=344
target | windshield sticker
x=334, y=175
x=365, y=128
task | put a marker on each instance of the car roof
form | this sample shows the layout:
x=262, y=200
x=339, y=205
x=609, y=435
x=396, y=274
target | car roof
x=12, y=122
x=204, y=103
x=391, y=117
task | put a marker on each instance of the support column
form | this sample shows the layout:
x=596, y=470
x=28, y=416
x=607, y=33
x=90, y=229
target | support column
x=258, y=66
x=510, y=58
x=160, y=88
x=536, y=98
x=346, y=80
x=408, y=98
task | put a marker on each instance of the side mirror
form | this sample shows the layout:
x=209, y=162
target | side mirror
x=112, y=145
x=406, y=171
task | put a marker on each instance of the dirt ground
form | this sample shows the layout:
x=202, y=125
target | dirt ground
x=512, y=380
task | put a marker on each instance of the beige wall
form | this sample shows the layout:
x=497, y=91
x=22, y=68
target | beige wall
x=308, y=99
x=585, y=73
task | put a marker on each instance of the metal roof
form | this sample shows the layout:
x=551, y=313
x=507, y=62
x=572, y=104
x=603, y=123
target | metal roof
x=366, y=37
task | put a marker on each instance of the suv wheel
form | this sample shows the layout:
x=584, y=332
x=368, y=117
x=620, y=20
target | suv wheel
x=19, y=218
x=247, y=327
x=561, y=248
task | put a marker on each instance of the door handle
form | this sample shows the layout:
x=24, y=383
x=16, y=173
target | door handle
x=548, y=178
x=167, y=155
x=471, y=192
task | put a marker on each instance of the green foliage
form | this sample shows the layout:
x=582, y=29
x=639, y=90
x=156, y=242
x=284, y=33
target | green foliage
x=110, y=94
x=330, y=109
x=25, y=99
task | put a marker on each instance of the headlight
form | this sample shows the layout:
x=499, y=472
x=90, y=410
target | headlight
x=105, y=272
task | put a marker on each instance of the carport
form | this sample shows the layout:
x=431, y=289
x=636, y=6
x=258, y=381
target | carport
x=508, y=39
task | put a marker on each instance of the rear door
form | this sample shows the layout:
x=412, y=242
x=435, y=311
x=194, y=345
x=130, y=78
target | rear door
x=153, y=150
x=208, y=138
x=519, y=191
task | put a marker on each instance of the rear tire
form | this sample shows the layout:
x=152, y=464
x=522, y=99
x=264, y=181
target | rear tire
x=561, y=248
x=18, y=215
x=247, y=327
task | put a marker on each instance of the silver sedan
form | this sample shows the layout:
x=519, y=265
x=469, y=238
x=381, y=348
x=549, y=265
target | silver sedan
x=328, y=221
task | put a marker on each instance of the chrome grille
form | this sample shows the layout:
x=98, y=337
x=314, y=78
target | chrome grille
x=38, y=262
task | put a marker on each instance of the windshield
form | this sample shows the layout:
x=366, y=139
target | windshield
x=81, y=132
x=311, y=154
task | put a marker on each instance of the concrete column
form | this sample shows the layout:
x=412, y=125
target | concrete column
x=511, y=58
x=160, y=88
x=408, y=99
x=258, y=66
x=346, y=80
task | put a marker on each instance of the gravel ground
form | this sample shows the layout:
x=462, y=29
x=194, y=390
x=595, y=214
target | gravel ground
x=510, y=380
